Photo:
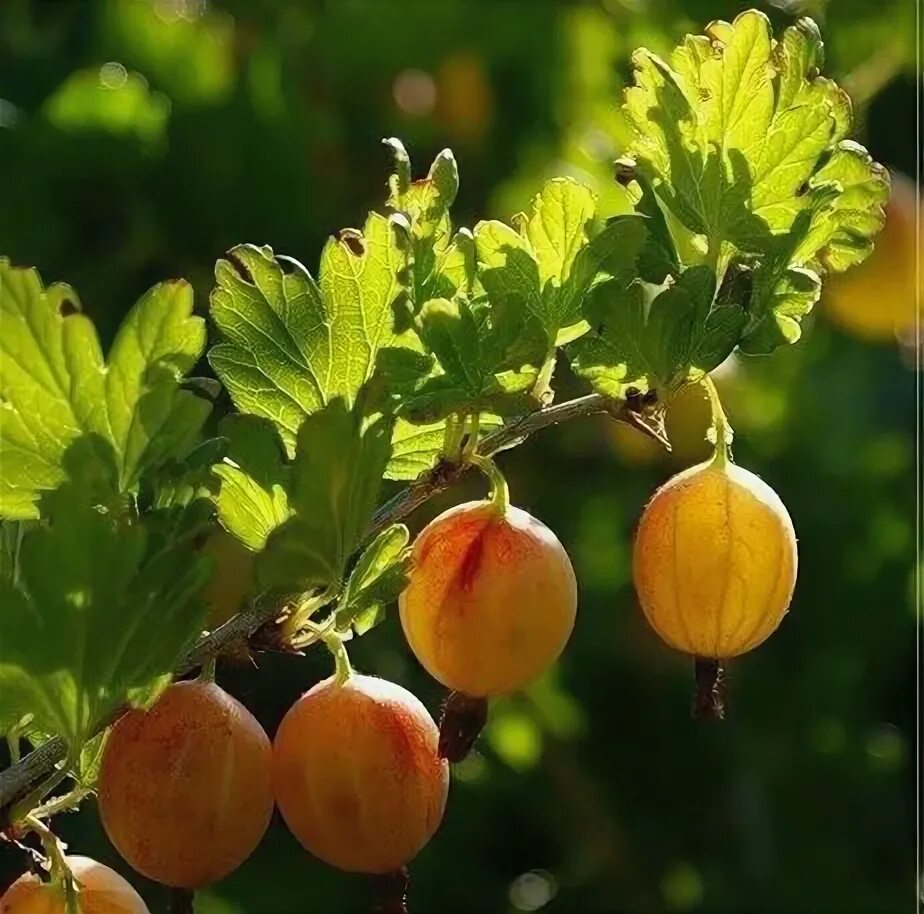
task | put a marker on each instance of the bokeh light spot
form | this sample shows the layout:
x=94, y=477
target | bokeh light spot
x=682, y=887
x=414, y=92
x=532, y=890
x=9, y=114
x=885, y=746
x=113, y=75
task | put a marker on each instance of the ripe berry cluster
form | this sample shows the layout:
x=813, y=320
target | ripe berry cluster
x=358, y=768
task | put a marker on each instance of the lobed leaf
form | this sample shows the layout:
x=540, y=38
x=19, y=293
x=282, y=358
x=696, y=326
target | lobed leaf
x=64, y=409
x=335, y=477
x=105, y=627
x=290, y=345
x=647, y=336
x=742, y=144
x=252, y=500
x=377, y=579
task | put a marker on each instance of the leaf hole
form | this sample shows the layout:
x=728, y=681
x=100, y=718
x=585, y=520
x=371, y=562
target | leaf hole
x=240, y=267
x=353, y=241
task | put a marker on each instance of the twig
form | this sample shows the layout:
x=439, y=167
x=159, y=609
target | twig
x=444, y=475
x=16, y=780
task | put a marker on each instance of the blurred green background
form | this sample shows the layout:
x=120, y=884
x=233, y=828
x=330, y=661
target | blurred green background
x=139, y=139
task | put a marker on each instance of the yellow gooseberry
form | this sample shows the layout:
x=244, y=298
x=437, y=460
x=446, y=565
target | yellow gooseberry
x=101, y=890
x=715, y=560
x=185, y=789
x=357, y=776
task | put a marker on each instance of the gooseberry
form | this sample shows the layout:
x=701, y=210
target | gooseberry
x=101, y=890
x=491, y=600
x=357, y=776
x=715, y=560
x=185, y=789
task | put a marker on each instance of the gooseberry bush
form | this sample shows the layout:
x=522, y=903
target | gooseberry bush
x=143, y=537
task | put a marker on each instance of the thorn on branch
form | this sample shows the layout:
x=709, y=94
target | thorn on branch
x=461, y=724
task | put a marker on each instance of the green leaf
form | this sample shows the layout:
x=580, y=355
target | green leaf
x=416, y=449
x=425, y=203
x=437, y=262
x=252, y=500
x=557, y=228
x=340, y=459
x=180, y=484
x=377, y=579
x=178, y=499
x=648, y=336
x=86, y=772
x=66, y=409
x=549, y=268
x=743, y=145
x=290, y=345
x=481, y=363
x=98, y=616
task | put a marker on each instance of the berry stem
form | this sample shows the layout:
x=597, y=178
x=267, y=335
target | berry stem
x=721, y=432
x=343, y=669
x=391, y=892
x=290, y=629
x=500, y=493
x=181, y=901
x=461, y=724
x=708, y=700
x=60, y=871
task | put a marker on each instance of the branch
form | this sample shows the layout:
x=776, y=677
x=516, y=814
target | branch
x=444, y=475
x=16, y=780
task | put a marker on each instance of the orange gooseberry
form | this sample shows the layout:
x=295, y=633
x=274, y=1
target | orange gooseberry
x=357, y=776
x=491, y=600
x=101, y=890
x=185, y=788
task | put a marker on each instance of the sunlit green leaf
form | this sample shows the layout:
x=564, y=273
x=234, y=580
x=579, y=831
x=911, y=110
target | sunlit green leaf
x=377, y=579
x=252, y=500
x=743, y=144
x=95, y=617
x=290, y=345
x=335, y=479
x=66, y=409
x=437, y=262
